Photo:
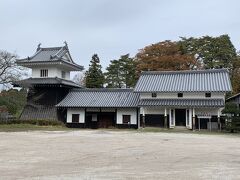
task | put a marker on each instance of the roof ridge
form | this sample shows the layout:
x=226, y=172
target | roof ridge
x=51, y=48
x=61, y=50
x=184, y=71
x=103, y=90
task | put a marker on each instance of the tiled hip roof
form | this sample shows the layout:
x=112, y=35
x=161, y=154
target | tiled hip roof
x=184, y=81
x=100, y=98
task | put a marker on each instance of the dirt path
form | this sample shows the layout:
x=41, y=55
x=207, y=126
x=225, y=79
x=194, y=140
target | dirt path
x=118, y=155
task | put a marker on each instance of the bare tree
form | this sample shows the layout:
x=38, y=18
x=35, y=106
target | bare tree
x=79, y=78
x=9, y=70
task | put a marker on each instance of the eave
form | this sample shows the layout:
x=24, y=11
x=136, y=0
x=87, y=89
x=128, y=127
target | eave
x=29, y=64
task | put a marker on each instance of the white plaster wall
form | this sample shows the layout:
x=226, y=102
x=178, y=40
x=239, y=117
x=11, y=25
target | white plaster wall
x=52, y=72
x=207, y=111
x=35, y=72
x=152, y=110
x=185, y=95
x=160, y=110
x=67, y=75
x=132, y=112
x=76, y=111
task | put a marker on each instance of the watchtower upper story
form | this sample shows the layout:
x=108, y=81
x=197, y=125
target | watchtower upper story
x=51, y=62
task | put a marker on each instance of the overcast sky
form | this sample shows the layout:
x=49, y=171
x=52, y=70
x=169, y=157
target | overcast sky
x=111, y=28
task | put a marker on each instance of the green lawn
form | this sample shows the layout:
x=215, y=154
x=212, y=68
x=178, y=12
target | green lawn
x=29, y=127
x=186, y=131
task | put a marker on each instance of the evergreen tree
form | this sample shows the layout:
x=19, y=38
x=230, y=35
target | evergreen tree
x=213, y=52
x=94, y=75
x=121, y=73
x=128, y=69
x=113, y=75
x=235, y=75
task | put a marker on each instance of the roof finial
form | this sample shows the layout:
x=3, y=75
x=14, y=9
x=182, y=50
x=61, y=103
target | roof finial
x=66, y=45
x=39, y=46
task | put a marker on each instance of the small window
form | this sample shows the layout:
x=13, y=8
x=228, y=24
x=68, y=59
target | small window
x=154, y=94
x=126, y=119
x=180, y=94
x=63, y=74
x=208, y=94
x=43, y=73
x=75, y=118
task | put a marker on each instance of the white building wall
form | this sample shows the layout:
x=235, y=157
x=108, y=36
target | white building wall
x=67, y=75
x=185, y=95
x=35, y=72
x=76, y=111
x=198, y=111
x=132, y=112
x=52, y=72
x=152, y=110
x=206, y=111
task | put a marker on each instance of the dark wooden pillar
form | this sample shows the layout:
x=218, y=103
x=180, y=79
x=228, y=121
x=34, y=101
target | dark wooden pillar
x=143, y=121
x=219, y=121
x=193, y=120
x=138, y=118
x=193, y=123
x=165, y=118
x=219, y=124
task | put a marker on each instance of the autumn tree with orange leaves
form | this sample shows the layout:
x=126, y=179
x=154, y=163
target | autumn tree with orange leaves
x=166, y=55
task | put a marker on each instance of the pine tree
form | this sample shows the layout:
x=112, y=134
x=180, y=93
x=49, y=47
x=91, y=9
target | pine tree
x=94, y=75
x=113, y=75
x=121, y=73
x=128, y=66
x=214, y=52
x=235, y=75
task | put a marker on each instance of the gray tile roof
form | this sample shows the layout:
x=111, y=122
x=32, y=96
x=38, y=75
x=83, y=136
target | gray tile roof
x=184, y=81
x=50, y=55
x=45, y=81
x=100, y=98
x=235, y=98
x=183, y=102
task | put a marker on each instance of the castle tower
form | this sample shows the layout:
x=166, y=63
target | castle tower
x=50, y=81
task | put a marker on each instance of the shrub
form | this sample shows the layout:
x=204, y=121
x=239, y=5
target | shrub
x=233, y=123
x=231, y=108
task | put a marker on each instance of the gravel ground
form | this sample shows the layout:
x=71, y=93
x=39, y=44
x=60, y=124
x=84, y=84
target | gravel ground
x=100, y=154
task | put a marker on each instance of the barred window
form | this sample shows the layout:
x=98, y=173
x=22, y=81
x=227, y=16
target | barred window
x=43, y=73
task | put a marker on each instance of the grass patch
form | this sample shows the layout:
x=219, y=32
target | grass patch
x=29, y=127
x=185, y=131
x=40, y=122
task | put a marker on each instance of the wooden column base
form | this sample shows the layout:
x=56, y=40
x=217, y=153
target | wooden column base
x=143, y=121
x=193, y=123
x=165, y=122
x=219, y=124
